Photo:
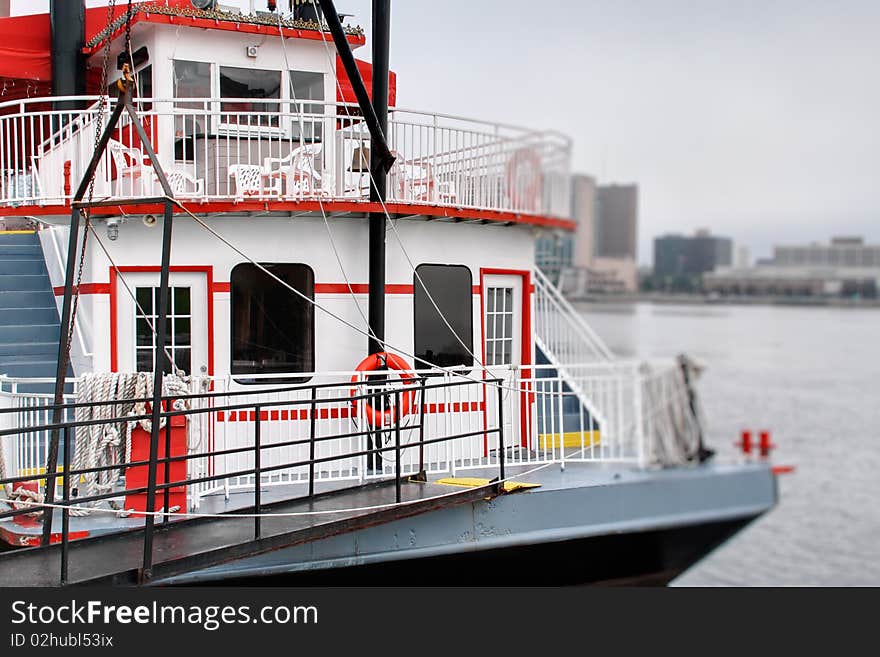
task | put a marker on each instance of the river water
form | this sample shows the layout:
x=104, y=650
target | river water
x=811, y=376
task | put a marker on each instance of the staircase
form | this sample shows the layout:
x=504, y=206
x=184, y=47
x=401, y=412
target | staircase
x=29, y=324
x=565, y=341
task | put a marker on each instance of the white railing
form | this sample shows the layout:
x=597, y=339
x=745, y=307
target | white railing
x=239, y=149
x=637, y=413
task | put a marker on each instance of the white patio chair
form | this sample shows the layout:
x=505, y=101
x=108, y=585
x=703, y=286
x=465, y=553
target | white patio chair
x=415, y=181
x=130, y=165
x=298, y=172
x=182, y=183
x=248, y=180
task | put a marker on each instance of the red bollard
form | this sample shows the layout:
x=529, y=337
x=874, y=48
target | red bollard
x=745, y=443
x=765, y=445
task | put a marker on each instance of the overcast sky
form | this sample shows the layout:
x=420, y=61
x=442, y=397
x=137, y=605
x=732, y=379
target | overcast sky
x=757, y=119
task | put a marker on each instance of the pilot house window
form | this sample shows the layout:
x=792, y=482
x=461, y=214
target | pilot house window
x=305, y=86
x=451, y=289
x=273, y=328
x=239, y=85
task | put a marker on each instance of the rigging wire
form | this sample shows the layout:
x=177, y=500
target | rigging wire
x=390, y=221
x=462, y=373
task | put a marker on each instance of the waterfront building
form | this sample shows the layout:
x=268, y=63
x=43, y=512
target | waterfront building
x=678, y=255
x=845, y=267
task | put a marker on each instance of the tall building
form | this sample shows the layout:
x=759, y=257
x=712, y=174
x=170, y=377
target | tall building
x=583, y=211
x=559, y=250
x=600, y=255
x=617, y=219
x=678, y=255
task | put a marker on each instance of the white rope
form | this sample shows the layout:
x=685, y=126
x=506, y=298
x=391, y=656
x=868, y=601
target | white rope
x=108, y=443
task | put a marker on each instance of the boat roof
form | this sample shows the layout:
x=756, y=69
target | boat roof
x=26, y=67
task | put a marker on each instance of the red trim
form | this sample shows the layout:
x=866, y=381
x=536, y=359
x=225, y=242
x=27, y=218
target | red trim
x=282, y=415
x=114, y=330
x=228, y=26
x=85, y=288
x=525, y=339
x=357, y=207
x=208, y=270
x=219, y=287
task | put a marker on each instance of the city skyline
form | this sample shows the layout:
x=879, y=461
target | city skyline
x=754, y=119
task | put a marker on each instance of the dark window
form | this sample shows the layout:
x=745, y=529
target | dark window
x=145, y=85
x=241, y=84
x=273, y=329
x=451, y=287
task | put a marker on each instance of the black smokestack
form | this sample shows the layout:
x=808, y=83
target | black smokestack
x=67, y=19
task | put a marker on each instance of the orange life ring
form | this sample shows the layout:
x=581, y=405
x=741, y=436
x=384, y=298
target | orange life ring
x=524, y=177
x=372, y=363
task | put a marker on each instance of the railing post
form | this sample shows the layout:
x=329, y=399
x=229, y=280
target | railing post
x=501, y=446
x=561, y=391
x=397, y=445
x=166, y=496
x=161, y=359
x=313, y=425
x=422, y=388
x=65, y=513
x=638, y=419
x=258, y=475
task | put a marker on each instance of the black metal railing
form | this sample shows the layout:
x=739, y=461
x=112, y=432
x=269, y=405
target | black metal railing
x=375, y=394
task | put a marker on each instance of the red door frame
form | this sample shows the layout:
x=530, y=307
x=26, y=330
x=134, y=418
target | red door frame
x=525, y=342
x=207, y=270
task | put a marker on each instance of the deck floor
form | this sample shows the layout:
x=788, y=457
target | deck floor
x=181, y=546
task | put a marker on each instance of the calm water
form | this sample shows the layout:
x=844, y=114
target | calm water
x=810, y=375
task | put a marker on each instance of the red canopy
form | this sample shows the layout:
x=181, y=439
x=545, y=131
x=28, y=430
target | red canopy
x=24, y=48
x=345, y=92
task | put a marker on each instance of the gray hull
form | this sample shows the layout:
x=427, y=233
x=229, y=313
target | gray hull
x=586, y=524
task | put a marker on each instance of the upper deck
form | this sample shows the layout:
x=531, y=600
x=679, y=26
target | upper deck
x=221, y=152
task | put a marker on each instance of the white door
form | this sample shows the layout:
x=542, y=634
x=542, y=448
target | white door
x=502, y=346
x=187, y=326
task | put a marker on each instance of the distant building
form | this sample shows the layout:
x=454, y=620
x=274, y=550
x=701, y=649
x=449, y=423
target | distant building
x=845, y=267
x=841, y=252
x=617, y=221
x=742, y=257
x=795, y=281
x=583, y=211
x=560, y=250
x=583, y=260
x=678, y=255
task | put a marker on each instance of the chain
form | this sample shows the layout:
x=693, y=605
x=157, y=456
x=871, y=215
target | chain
x=99, y=124
x=128, y=30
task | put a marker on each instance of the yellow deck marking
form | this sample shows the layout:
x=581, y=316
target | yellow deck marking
x=569, y=439
x=465, y=482
x=474, y=482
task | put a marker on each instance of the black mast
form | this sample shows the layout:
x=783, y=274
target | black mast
x=381, y=48
x=68, y=22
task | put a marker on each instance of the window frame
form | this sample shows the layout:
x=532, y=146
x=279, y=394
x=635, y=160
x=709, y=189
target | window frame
x=417, y=283
x=252, y=378
x=237, y=128
x=152, y=318
x=314, y=120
